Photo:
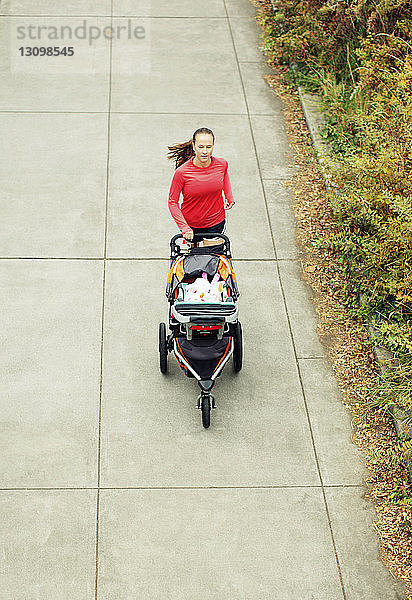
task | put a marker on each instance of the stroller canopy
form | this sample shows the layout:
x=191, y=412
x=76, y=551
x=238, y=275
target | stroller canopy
x=195, y=264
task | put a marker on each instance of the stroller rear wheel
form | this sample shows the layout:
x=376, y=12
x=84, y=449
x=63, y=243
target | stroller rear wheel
x=238, y=347
x=205, y=406
x=162, y=348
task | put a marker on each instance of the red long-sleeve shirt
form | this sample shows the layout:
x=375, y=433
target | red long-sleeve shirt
x=201, y=187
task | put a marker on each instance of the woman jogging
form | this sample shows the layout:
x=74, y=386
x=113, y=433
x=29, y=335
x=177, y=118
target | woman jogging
x=201, y=178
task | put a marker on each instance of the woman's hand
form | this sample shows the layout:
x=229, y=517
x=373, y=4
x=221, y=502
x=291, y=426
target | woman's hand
x=188, y=235
x=228, y=204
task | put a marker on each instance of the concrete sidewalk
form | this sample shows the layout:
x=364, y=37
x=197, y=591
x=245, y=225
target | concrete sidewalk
x=111, y=489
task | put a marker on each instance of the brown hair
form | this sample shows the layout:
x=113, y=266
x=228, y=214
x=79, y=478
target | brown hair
x=180, y=153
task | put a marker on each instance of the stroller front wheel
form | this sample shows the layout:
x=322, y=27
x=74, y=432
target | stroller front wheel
x=205, y=406
x=162, y=348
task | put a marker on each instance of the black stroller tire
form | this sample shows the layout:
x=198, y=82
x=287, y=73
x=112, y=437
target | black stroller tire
x=238, y=347
x=205, y=406
x=162, y=348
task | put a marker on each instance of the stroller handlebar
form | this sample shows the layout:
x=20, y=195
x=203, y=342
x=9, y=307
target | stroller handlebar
x=198, y=237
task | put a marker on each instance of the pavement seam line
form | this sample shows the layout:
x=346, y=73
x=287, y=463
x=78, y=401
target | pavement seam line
x=289, y=323
x=99, y=445
x=130, y=112
x=135, y=112
x=181, y=487
x=89, y=16
x=133, y=258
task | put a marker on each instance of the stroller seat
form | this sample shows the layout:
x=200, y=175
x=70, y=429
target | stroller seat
x=188, y=268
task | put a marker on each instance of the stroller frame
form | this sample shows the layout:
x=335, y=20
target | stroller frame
x=197, y=328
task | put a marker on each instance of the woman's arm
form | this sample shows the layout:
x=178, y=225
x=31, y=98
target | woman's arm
x=175, y=210
x=227, y=190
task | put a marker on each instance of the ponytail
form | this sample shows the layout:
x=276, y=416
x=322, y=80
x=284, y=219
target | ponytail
x=180, y=153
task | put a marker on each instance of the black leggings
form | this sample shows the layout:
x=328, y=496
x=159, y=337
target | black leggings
x=219, y=228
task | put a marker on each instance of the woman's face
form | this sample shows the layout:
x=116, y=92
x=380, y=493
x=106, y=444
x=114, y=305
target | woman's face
x=203, y=147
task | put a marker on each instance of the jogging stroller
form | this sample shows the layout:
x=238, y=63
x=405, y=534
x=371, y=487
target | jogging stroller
x=203, y=315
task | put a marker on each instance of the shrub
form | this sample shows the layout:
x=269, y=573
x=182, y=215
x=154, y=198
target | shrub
x=358, y=56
